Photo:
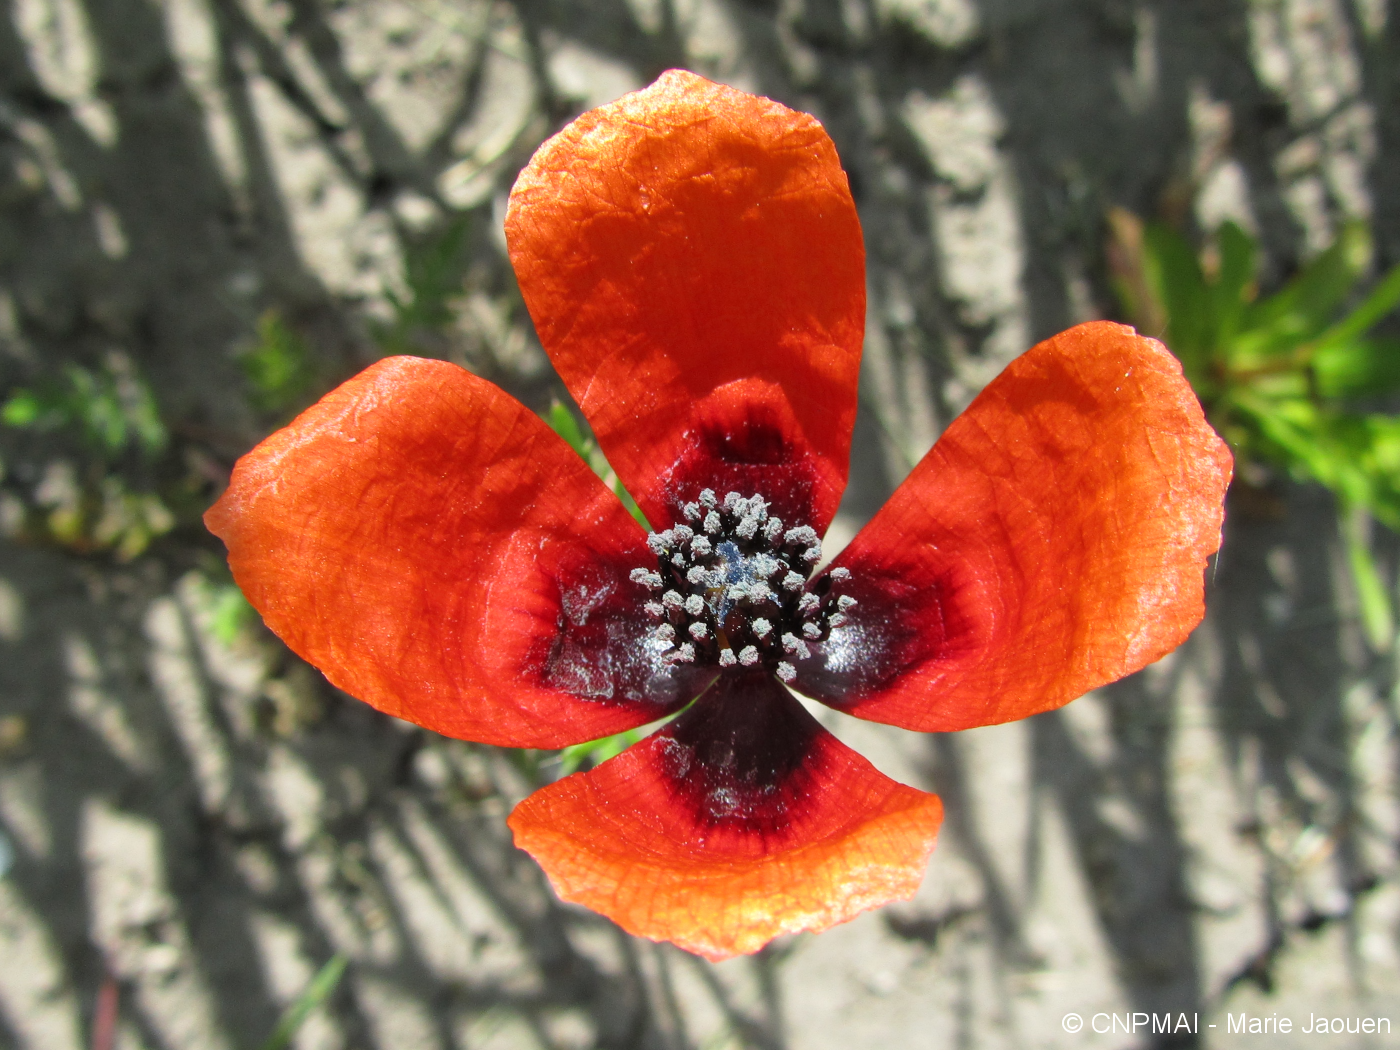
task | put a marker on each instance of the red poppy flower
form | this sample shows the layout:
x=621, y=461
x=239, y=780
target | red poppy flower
x=693, y=263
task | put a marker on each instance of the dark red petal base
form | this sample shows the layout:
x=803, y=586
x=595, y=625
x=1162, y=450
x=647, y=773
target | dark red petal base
x=744, y=438
x=741, y=820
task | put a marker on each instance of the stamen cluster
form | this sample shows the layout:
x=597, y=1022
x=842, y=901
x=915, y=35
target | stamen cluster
x=731, y=587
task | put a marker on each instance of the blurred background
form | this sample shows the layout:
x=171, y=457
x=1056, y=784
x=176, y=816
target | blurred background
x=213, y=211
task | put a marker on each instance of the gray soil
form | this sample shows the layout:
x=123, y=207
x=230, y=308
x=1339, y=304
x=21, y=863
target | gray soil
x=199, y=821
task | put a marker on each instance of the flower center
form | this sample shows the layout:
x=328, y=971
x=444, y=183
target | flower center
x=731, y=588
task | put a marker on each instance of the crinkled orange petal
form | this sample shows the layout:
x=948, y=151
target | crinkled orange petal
x=1053, y=540
x=741, y=820
x=683, y=250
x=428, y=543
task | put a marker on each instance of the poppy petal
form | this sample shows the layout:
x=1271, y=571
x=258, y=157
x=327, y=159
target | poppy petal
x=428, y=543
x=1053, y=540
x=741, y=820
x=693, y=262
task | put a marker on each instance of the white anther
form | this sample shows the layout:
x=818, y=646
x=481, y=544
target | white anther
x=763, y=566
x=796, y=646
x=727, y=658
x=714, y=579
x=811, y=631
x=793, y=582
x=748, y=655
x=772, y=528
x=655, y=609
x=712, y=522
x=682, y=534
x=813, y=554
x=836, y=621
x=801, y=534
x=761, y=627
x=731, y=500
x=786, y=671
x=808, y=604
x=678, y=560
x=748, y=528
x=845, y=603
x=685, y=654
x=696, y=575
x=657, y=542
x=695, y=605
x=698, y=631
x=651, y=580
x=707, y=498
x=665, y=632
x=738, y=592
x=701, y=546
x=837, y=575
x=672, y=600
x=760, y=591
x=691, y=511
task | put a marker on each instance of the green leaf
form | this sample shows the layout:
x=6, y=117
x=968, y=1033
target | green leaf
x=1357, y=457
x=23, y=410
x=630, y=504
x=596, y=752
x=138, y=408
x=230, y=613
x=1289, y=433
x=565, y=424
x=433, y=270
x=1383, y=299
x=1301, y=311
x=1377, y=617
x=110, y=410
x=278, y=365
x=1235, y=283
x=320, y=988
x=1357, y=367
x=93, y=404
x=1367, y=463
x=1175, y=275
x=435, y=265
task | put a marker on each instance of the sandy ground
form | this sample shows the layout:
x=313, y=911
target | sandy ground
x=204, y=822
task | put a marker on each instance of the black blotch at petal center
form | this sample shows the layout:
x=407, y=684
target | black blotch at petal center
x=738, y=757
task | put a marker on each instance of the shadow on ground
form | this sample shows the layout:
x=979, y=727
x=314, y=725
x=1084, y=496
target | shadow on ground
x=205, y=821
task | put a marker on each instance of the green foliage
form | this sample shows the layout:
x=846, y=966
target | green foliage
x=595, y=752
x=93, y=512
x=277, y=366
x=229, y=612
x=317, y=992
x=1291, y=379
x=111, y=415
x=111, y=410
x=564, y=423
x=124, y=522
x=433, y=273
